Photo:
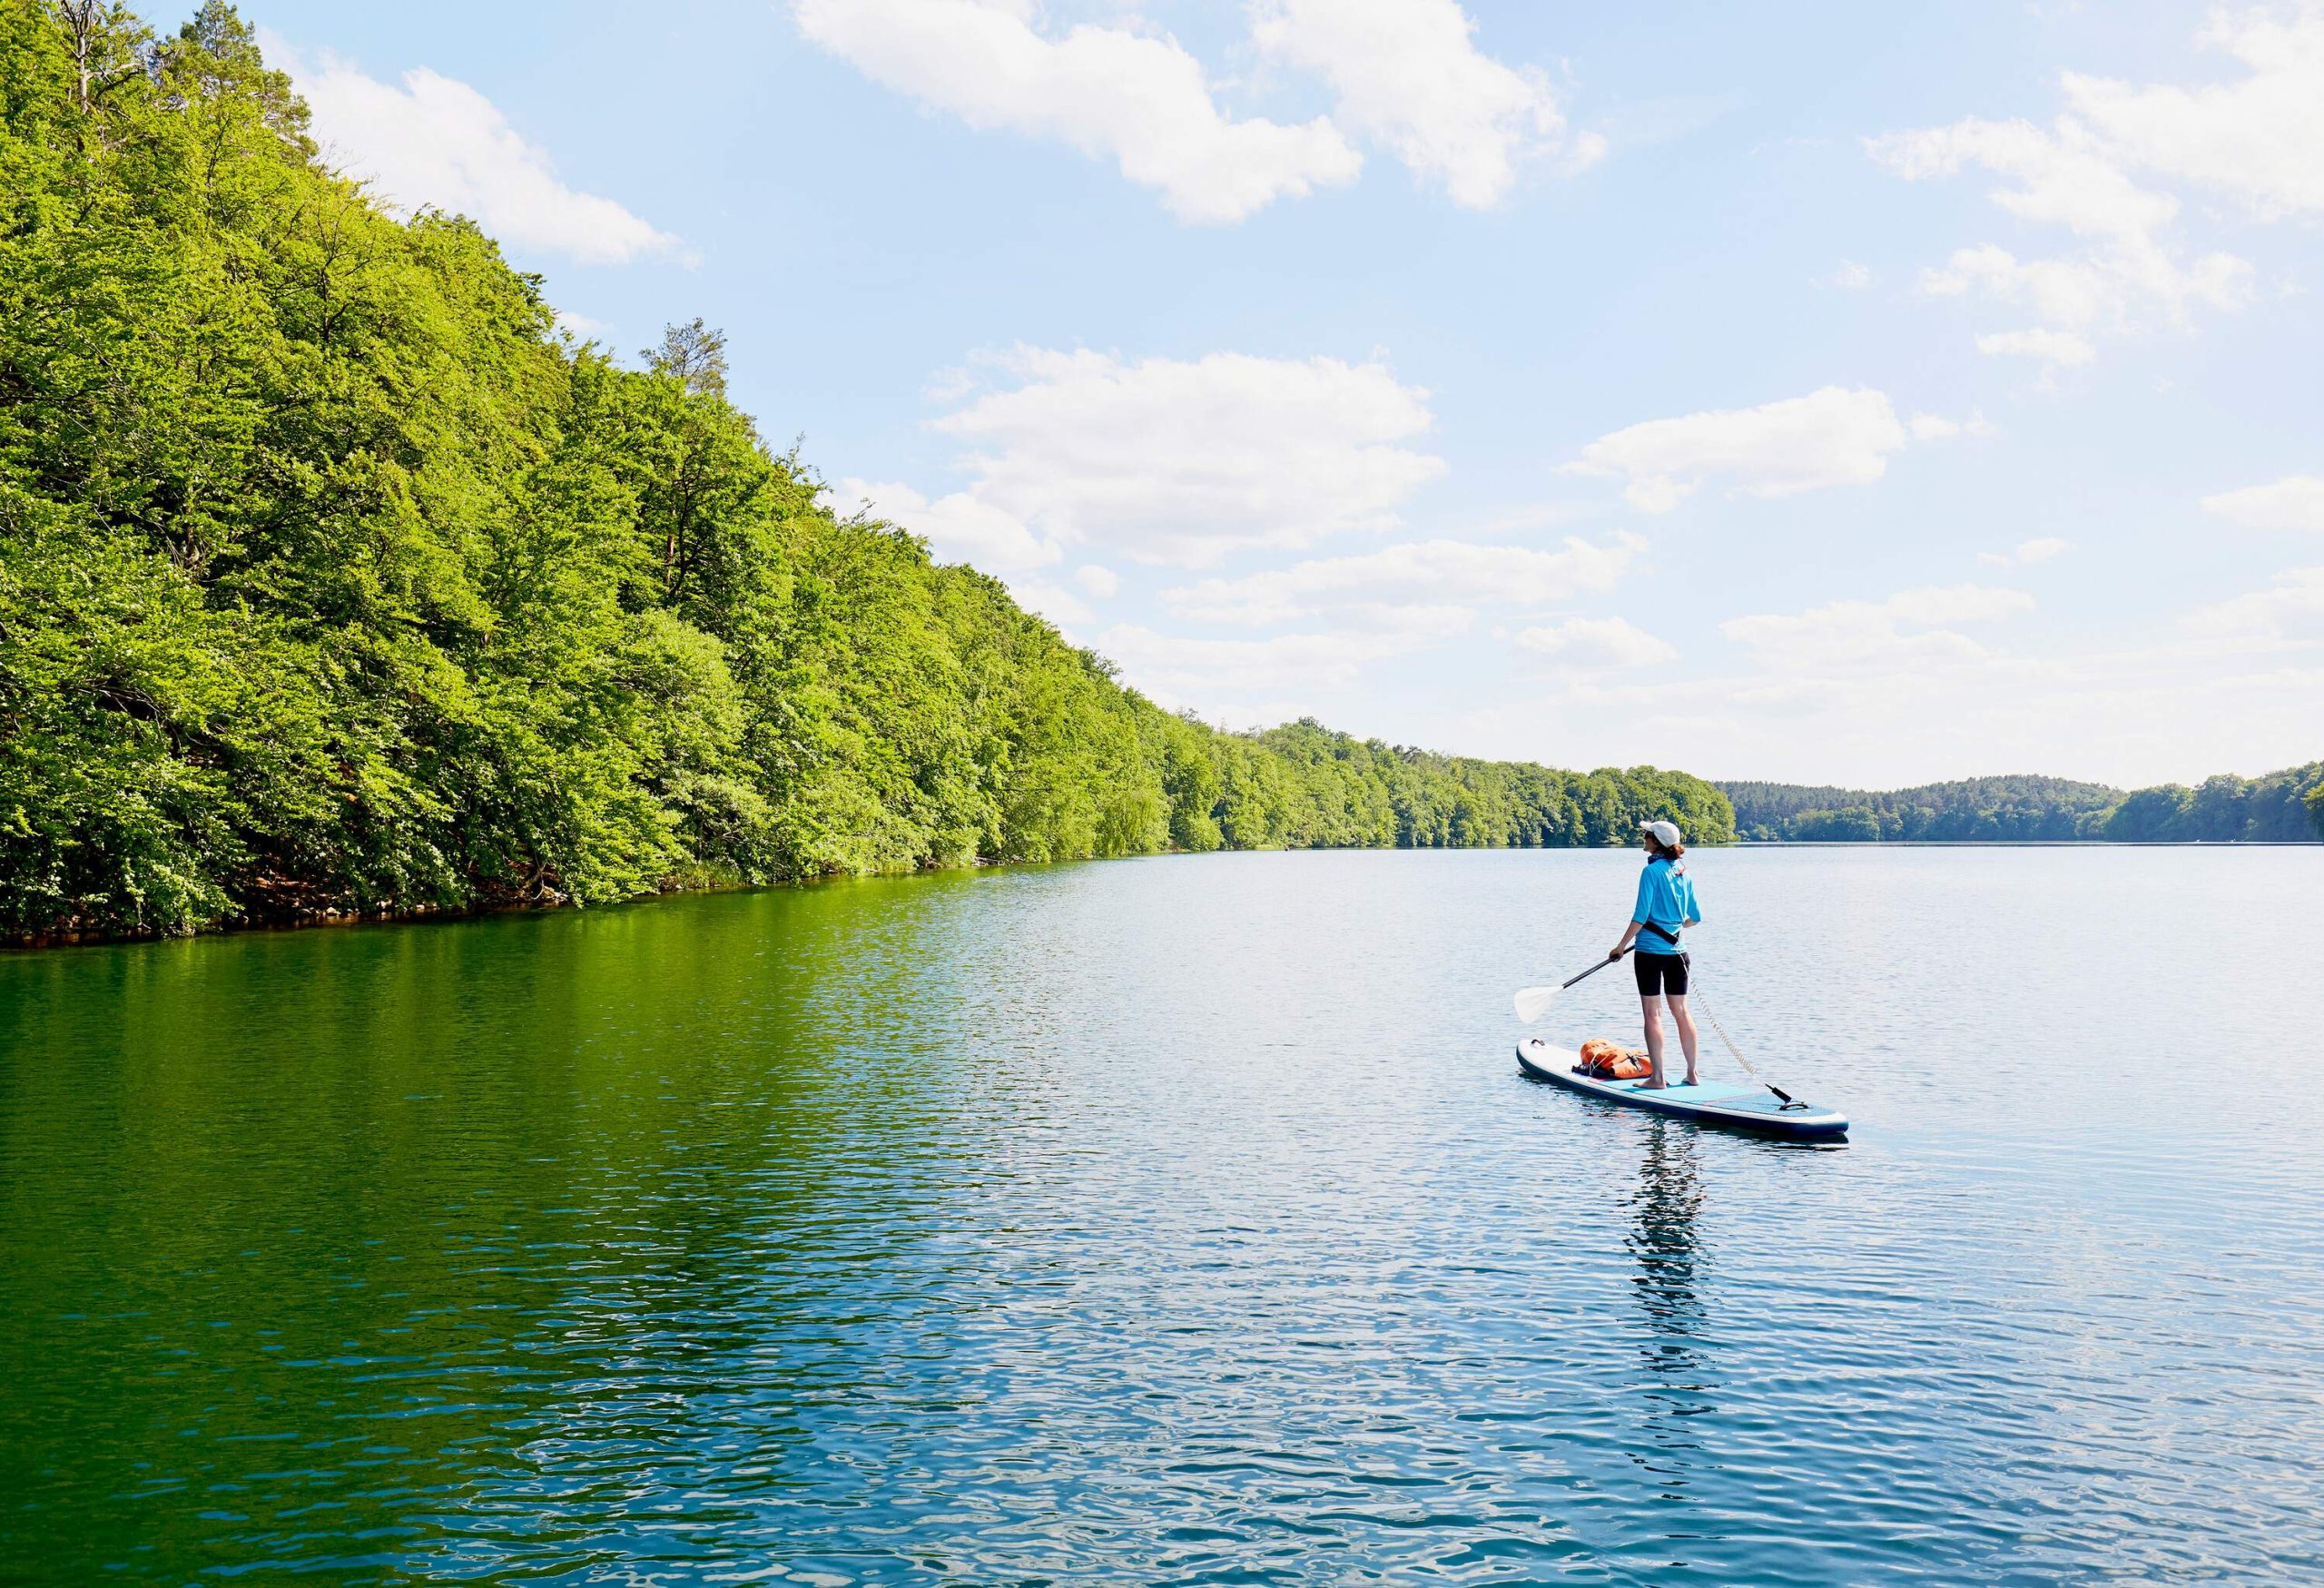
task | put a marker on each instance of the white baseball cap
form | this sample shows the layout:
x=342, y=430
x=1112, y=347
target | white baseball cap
x=1666, y=834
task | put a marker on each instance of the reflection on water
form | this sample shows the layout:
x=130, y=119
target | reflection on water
x=1662, y=1241
x=1179, y=1220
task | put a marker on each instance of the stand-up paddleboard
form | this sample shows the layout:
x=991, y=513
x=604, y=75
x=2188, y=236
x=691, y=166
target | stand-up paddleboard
x=1745, y=1108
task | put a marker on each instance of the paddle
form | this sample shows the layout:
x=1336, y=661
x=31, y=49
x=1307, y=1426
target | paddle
x=1534, y=1001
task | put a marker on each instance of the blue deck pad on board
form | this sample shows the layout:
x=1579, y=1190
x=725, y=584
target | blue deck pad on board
x=1708, y=1093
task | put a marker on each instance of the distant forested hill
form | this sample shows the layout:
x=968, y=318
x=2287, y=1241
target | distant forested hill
x=2285, y=807
x=334, y=580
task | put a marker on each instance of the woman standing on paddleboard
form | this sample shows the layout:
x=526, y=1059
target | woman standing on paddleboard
x=1665, y=908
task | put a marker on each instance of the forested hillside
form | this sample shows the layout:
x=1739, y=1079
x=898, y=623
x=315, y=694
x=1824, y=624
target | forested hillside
x=333, y=579
x=2281, y=807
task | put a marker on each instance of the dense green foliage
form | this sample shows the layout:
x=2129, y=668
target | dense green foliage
x=1977, y=808
x=1305, y=786
x=332, y=578
x=2282, y=807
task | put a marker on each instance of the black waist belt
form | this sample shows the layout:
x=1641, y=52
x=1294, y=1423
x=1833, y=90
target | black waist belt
x=1670, y=937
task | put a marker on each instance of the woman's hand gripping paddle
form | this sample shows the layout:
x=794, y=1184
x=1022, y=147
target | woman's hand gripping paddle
x=1534, y=1001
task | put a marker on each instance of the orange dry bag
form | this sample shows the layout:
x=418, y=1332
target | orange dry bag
x=1611, y=1061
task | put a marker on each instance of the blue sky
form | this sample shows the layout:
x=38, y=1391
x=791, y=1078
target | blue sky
x=1866, y=394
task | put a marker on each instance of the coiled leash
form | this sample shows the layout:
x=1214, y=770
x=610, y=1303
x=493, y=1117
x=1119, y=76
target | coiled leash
x=1788, y=1101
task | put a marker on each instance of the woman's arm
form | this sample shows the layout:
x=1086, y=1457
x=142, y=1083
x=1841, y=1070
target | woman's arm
x=1629, y=936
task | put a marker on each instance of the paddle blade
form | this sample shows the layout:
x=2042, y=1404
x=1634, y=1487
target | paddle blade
x=1534, y=1003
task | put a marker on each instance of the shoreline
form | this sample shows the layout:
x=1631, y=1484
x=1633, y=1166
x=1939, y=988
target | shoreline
x=32, y=943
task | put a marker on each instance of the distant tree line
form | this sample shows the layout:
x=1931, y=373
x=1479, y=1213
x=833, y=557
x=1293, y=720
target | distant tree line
x=2281, y=807
x=1305, y=786
x=334, y=580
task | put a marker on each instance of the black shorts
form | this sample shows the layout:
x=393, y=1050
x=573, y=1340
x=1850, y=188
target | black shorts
x=1659, y=973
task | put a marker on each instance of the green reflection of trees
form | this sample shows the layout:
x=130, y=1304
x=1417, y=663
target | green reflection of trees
x=441, y=1228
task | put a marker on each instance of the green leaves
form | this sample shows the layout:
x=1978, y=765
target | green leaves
x=2278, y=808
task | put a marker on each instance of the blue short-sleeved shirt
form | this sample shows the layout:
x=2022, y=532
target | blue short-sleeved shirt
x=1666, y=898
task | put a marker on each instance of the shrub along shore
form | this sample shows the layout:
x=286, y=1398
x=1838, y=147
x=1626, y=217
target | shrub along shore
x=334, y=580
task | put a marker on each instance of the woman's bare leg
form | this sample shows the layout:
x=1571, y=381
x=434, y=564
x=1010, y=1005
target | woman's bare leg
x=1653, y=1038
x=1686, y=1023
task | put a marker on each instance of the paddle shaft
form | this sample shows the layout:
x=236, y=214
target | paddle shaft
x=1591, y=971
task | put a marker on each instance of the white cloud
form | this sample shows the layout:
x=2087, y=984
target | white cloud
x=1889, y=693
x=2050, y=347
x=1598, y=643
x=1137, y=98
x=1849, y=276
x=1833, y=437
x=2296, y=502
x=2260, y=138
x=2061, y=174
x=1051, y=600
x=2057, y=289
x=2108, y=290
x=1438, y=572
x=1407, y=73
x=959, y=528
x=2130, y=715
x=1912, y=629
x=1178, y=461
x=2290, y=611
x=439, y=142
x=1934, y=427
x=1353, y=612
x=2042, y=548
x=1179, y=669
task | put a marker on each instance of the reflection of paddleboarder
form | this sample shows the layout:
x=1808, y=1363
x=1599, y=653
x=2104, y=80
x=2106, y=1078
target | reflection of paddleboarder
x=1666, y=1244
x=1666, y=906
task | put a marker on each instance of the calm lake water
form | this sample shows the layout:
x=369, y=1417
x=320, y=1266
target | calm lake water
x=1180, y=1221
